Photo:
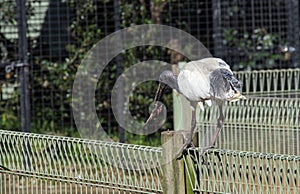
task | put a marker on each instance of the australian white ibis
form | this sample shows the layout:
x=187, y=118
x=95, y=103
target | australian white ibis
x=202, y=81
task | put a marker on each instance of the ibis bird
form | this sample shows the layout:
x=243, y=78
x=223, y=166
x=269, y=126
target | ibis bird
x=201, y=82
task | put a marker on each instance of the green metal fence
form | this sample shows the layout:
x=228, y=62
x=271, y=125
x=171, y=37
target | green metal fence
x=268, y=121
x=260, y=152
x=227, y=171
x=259, y=124
x=261, y=138
x=50, y=164
x=267, y=82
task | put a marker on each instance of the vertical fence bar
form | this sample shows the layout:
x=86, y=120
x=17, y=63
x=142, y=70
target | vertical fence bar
x=24, y=70
x=293, y=31
x=119, y=70
x=217, y=34
x=24, y=78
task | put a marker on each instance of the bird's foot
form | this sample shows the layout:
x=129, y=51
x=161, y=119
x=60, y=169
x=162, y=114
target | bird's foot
x=188, y=143
x=205, y=149
x=182, y=150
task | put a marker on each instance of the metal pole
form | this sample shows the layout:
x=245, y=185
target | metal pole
x=24, y=70
x=119, y=69
x=216, y=7
x=293, y=32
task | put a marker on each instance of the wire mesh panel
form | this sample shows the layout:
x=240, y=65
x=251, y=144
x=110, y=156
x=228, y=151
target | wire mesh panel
x=260, y=124
x=281, y=82
x=250, y=34
x=227, y=171
x=253, y=34
x=268, y=121
x=247, y=34
x=9, y=95
x=69, y=165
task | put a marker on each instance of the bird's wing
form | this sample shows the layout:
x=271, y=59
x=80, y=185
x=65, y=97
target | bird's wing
x=224, y=85
x=233, y=81
x=220, y=87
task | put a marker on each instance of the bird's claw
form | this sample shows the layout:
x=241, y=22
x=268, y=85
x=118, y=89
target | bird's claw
x=183, y=149
x=179, y=154
x=205, y=149
x=188, y=142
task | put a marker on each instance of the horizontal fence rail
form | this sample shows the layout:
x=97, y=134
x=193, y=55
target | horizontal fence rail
x=40, y=163
x=227, y=171
x=260, y=124
x=267, y=82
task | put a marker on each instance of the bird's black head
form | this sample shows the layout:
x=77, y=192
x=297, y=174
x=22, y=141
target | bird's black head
x=169, y=78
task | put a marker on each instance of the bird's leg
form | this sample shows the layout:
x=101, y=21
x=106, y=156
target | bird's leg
x=189, y=141
x=193, y=126
x=217, y=131
x=219, y=125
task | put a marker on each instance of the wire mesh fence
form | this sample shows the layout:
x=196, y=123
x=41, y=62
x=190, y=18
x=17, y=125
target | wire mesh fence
x=43, y=163
x=37, y=163
x=228, y=171
x=267, y=125
x=280, y=82
x=247, y=34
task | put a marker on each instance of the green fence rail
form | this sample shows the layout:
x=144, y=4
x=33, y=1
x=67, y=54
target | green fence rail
x=43, y=163
x=227, y=171
x=259, y=124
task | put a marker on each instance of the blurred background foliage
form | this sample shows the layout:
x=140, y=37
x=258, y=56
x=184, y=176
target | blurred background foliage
x=68, y=29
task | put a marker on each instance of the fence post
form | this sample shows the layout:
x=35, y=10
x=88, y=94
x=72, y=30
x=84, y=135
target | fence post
x=24, y=70
x=292, y=31
x=24, y=79
x=182, y=112
x=175, y=180
x=217, y=28
x=120, y=94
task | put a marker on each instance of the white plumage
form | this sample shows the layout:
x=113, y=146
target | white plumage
x=202, y=81
x=195, y=81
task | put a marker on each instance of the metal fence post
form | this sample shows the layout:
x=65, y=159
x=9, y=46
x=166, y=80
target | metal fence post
x=293, y=31
x=24, y=69
x=217, y=33
x=24, y=78
x=119, y=70
x=182, y=112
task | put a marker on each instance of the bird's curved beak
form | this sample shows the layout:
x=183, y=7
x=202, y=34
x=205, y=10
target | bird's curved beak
x=159, y=92
x=158, y=107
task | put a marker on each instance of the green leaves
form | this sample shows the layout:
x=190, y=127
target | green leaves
x=259, y=49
